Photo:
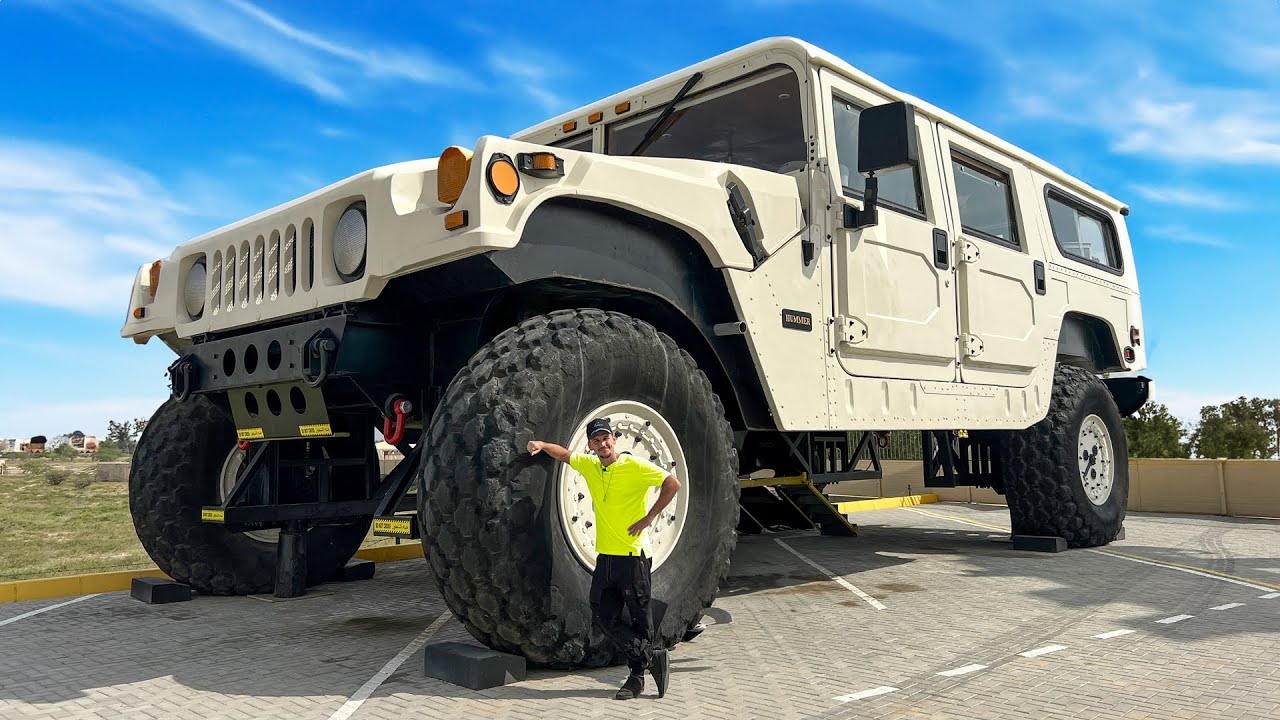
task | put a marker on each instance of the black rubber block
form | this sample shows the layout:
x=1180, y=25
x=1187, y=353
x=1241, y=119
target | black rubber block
x=159, y=591
x=356, y=570
x=1040, y=543
x=472, y=667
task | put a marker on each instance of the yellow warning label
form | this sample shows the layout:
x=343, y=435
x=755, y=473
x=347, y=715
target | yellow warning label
x=250, y=434
x=211, y=514
x=314, y=430
x=393, y=527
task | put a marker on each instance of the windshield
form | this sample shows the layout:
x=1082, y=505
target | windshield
x=755, y=122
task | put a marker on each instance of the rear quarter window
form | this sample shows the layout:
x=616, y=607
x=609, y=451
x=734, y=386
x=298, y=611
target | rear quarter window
x=1082, y=232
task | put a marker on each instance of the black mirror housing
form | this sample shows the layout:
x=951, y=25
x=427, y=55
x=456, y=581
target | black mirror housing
x=887, y=138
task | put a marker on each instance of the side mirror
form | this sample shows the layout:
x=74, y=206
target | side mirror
x=886, y=142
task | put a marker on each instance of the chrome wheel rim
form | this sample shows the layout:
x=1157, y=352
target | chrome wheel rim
x=1095, y=456
x=643, y=432
x=227, y=481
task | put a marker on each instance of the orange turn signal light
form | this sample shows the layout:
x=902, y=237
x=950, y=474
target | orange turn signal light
x=139, y=313
x=504, y=181
x=154, y=276
x=456, y=219
x=451, y=173
x=621, y=108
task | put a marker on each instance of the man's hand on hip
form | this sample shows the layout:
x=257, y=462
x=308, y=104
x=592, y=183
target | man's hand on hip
x=638, y=526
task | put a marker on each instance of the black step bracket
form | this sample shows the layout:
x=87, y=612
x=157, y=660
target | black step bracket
x=404, y=527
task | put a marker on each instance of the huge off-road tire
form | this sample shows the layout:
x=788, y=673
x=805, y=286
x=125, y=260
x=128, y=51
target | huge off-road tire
x=504, y=532
x=176, y=471
x=1068, y=475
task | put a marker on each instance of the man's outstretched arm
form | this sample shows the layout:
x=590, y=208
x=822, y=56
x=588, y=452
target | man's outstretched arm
x=552, y=449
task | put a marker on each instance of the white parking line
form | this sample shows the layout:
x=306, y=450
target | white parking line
x=367, y=689
x=1268, y=596
x=25, y=615
x=1113, y=634
x=962, y=670
x=843, y=583
x=1174, y=619
x=1228, y=606
x=866, y=694
x=1042, y=651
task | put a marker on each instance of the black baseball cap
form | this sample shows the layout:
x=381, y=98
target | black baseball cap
x=597, y=425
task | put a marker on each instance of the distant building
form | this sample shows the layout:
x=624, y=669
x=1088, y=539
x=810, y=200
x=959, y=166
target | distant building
x=35, y=444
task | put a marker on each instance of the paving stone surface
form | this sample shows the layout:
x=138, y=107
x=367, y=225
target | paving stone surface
x=784, y=639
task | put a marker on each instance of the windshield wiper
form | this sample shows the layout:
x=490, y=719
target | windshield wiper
x=664, y=118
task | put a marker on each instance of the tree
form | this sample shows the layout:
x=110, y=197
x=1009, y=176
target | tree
x=1153, y=432
x=124, y=435
x=1268, y=412
x=1233, y=430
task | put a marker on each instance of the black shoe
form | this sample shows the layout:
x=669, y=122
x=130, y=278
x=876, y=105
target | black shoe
x=660, y=667
x=630, y=689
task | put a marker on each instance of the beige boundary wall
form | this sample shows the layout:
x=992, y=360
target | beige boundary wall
x=1241, y=488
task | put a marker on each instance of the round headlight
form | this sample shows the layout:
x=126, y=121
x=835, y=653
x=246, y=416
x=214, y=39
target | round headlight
x=194, y=289
x=350, y=239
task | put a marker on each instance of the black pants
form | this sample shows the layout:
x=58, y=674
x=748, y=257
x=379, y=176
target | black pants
x=622, y=581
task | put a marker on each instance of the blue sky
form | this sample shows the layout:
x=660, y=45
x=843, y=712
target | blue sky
x=128, y=127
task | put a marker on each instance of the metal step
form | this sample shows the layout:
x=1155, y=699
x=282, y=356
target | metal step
x=810, y=501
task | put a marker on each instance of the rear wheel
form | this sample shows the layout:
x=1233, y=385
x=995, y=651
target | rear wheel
x=187, y=459
x=509, y=537
x=1068, y=475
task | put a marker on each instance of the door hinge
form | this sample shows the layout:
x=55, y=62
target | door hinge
x=969, y=252
x=972, y=346
x=849, y=330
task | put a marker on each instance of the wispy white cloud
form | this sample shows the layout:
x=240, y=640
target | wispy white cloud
x=529, y=72
x=333, y=69
x=75, y=226
x=1185, y=404
x=1186, y=196
x=89, y=416
x=1186, y=236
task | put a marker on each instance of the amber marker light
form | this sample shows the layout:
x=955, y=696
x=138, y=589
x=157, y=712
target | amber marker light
x=451, y=173
x=621, y=108
x=504, y=181
x=540, y=164
x=139, y=313
x=456, y=219
x=569, y=126
x=595, y=117
x=154, y=276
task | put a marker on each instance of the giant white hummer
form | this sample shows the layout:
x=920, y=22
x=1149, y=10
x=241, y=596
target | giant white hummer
x=741, y=264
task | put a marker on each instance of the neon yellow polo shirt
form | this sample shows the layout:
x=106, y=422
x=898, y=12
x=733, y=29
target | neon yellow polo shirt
x=619, y=495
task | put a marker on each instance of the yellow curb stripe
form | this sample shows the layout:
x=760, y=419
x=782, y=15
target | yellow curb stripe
x=72, y=585
x=851, y=506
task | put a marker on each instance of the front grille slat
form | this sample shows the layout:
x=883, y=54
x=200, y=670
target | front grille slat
x=271, y=267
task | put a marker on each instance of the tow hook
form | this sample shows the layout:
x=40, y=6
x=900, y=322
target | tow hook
x=394, y=421
x=182, y=375
x=322, y=348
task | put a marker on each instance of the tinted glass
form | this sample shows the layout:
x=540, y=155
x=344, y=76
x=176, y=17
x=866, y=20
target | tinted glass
x=581, y=143
x=1082, y=235
x=986, y=205
x=900, y=187
x=756, y=124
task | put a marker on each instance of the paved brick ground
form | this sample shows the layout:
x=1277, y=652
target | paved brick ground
x=786, y=640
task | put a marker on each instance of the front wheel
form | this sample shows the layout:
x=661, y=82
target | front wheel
x=187, y=459
x=1068, y=475
x=510, y=537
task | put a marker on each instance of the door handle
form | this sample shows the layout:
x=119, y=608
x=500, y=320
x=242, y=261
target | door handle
x=941, y=249
x=1038, y=270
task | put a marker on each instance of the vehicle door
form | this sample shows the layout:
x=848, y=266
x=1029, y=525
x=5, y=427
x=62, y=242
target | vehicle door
x=999, y=261
x=894, y=303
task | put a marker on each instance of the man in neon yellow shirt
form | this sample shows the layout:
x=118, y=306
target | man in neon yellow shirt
x=619, y=486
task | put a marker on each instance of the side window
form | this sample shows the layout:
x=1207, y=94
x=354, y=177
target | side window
x=1082, y=232
x=755, y=123
x=986, y=201
x=581, y=142
x=900, y=188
